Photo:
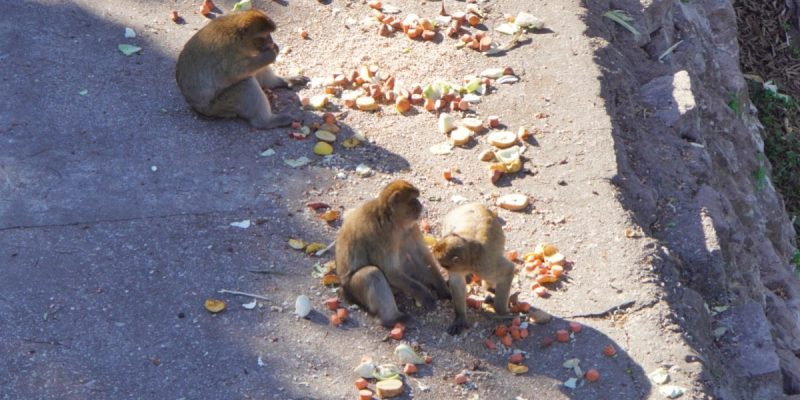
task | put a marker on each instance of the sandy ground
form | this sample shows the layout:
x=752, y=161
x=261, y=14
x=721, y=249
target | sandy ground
x=116, y=202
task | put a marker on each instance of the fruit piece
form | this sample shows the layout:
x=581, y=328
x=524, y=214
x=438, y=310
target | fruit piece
x=366, y=103
x=556, y=259
x=389, y=388
x=364, y=394
x=562, y=335
x=546, y=278
x=335, y=320
x=428, y=359
x=410, y=369
x=516, y=358
x=297, y=244
x=214, y=306
x=175, y=17
x=495, y=176
x=489, y=343
x=609, y=351
x=446, y=123
x=515, y=333
x=524, y=307
x=557, y=270
x=507, y=341
x=502, y=139
x=402, y=104
x=323, y=149
x=592, y=375
x=332, y=303
x=362, y=383
x=342, y=313
x=513, y=202
x=447, y=175
x=493, y=121
x=486, y=155
x=302, y=306
x=540, y=317
x=460, y=136
x=375, y=4
x=523, y=134
x=303, y=34
x=460, y=379
x=472, y=124
x=485, y=44
x=500, y=330
x=523, y=333
x=575, y=327
x=428, y=35
x=516, y=321
x=207, y=7
x=330, y=279
x=512, y=255
x=549, y=250
x=517, y=369
x=325, y=136
x=397, y=333
x=547, y=341
x=414, y=33
x=473, y=20
x=319, y=101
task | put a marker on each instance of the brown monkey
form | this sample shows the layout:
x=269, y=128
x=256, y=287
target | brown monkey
x=474, y=244
x=380, y=247
x=223, y=67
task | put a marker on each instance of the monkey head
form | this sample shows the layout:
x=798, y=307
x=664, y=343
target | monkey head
x=255, y=29
x=456, y=253
x=400, y=200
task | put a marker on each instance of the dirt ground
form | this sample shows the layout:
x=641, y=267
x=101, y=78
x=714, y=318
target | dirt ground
x=116, y=204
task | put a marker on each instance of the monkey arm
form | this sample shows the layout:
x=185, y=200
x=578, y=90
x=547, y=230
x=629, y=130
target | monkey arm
x=409, y=286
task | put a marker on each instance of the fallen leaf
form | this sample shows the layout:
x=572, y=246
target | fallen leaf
x=267, y=153
x=251, y=305
x=243, y=5
x=314, y=247
x=83, y=92
x=297, y=162
x=330, y=215
x=672, y=391
x=214, y=305
x=659, y=376
x=130, y=33
x=129, y=49
x=297, y=244
x=244, y=224
x=571, y=383
x=350, y=143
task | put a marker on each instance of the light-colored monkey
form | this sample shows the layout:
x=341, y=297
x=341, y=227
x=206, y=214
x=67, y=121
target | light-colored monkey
x=474, y=243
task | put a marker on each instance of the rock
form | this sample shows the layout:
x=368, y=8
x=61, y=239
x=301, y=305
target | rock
x=752, y=351
x=670, y=96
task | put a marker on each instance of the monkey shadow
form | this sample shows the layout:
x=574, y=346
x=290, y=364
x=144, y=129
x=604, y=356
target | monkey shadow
x=545, y=356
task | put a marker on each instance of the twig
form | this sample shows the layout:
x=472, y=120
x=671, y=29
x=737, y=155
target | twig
x=266, y=271
x=325, y=250
x=612, y=310
x=244, y=294
x=669, y=50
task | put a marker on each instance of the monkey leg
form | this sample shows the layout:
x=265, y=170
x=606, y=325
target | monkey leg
x=502, y=290
x=369, y=288
x=424, y=268
x=268, y=80
x=246, y=99
x=411, y=287
x=458, y=291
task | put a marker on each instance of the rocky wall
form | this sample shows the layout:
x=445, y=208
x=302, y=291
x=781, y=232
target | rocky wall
x=693, y=174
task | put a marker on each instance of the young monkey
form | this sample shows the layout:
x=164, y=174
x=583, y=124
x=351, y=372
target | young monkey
x=474, y=243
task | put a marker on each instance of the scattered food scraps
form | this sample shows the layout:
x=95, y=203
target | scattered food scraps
x=214, y=306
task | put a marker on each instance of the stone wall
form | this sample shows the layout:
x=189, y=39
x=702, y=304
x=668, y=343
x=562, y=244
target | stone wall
x=693, y=174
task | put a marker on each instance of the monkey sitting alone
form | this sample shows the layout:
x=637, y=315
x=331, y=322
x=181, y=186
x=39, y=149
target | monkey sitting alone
x=380, y=247
x=223, y=67
x=474, y=243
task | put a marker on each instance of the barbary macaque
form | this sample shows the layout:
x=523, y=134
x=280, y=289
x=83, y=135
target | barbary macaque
x=473, y=244
x=380, y=247
x=222, y=69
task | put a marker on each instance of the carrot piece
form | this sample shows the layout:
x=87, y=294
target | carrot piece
x=592, y=375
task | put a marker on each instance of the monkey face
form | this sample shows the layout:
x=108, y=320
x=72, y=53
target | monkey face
x=452, y=253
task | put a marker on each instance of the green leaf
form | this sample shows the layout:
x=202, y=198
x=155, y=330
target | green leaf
x=129, y=49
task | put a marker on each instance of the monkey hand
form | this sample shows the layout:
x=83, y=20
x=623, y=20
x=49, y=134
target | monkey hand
x=458, y=325
x=426, y=301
